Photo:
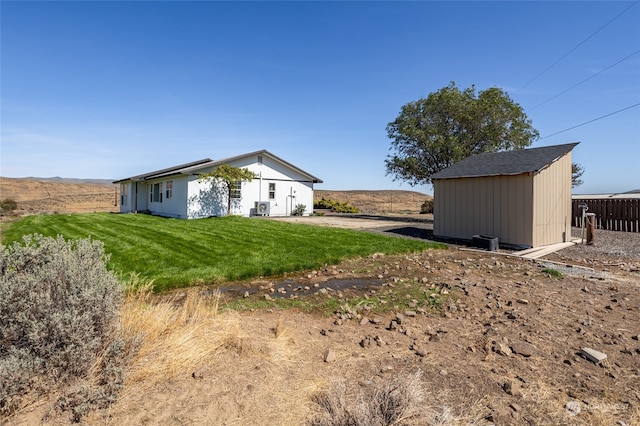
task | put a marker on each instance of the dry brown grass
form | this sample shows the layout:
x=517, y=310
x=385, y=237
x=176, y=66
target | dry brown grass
x=174, y=336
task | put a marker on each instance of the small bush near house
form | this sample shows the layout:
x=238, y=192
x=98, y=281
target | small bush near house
x=427, y=207
x=299, y=210
x=59, y=314
x=335, y=206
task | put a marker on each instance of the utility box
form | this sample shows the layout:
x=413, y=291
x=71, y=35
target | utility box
x=485, y=242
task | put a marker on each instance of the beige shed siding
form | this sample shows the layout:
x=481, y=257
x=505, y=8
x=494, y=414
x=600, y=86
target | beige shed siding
x=552, y=203
x=499, y=206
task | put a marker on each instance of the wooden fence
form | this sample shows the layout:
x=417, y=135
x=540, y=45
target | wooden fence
x=614, y=214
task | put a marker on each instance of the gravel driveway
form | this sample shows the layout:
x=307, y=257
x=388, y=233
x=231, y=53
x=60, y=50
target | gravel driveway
x=609, y=246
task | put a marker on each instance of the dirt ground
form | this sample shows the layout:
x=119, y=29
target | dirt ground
x=504, y=349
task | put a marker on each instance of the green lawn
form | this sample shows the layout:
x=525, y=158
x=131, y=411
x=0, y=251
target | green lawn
x=179, y=253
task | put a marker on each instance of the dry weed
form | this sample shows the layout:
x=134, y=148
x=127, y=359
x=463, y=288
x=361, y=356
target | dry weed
x=174, y=337
x=399, y=401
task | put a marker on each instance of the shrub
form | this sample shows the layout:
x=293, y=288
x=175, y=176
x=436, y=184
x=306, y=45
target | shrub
x=58, y=323
x=398, y=401
x=299, y=210
x=427, y=207
x=8, y=205
x=335, y=206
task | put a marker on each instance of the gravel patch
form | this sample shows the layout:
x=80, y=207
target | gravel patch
x=577, y=271
x=607, y=244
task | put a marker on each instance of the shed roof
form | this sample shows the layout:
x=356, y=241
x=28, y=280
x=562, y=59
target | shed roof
x=505, y=163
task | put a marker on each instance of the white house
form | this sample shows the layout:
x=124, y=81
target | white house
x=277, y=189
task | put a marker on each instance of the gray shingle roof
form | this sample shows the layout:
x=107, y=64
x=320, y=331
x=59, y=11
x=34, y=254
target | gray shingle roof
x=196, y=167
x=168, y=170
x=505, y=163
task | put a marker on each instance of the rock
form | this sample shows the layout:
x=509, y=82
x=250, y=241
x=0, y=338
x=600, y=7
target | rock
x=443, y=372
x=410, y=313
x=501, y=349
x=523, y=348
x=399, y=318
x=198, y=374
x=508, y=387
x=246, y=294
x=573, y=408
x=593, y=355
x=393, y=325
x=515, y=407
x=364, y=321
x=522, y=301
x=329, y=356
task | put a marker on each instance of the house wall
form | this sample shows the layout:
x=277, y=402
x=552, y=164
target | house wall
x=174, y=206
x=291, y=188
x=127, y=197
x=136, y=197
x=497, y=206
x=552, y=203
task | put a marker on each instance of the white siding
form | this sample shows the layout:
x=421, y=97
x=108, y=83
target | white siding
x=292, y=188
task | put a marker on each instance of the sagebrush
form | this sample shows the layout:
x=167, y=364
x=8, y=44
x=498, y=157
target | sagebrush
x=335, y=206
x=398, y=401
x=59, y=315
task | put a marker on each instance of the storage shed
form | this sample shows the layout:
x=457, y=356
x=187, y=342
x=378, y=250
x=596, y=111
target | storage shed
x=522, y=197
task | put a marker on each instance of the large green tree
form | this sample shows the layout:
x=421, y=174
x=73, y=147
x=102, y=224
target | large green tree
x=451, y=124
x=228, y=176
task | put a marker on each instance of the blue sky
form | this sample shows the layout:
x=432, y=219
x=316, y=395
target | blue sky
x=114, y=89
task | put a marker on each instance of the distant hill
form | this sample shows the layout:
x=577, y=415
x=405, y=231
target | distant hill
x=58, y=195
x=377, y=201
x=73, y=180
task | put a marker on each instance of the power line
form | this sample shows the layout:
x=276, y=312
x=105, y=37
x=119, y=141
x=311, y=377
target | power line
x=585, y=80
x=577, y=46
x=591, y=121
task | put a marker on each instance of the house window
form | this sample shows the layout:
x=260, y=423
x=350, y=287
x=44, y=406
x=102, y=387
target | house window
x=123, y=194
x=236, y=189
x=272, y=191
x=156, y=192
x=259, y=159
x=168, y=189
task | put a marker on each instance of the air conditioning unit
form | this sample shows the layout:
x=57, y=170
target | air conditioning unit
x=262, y=208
